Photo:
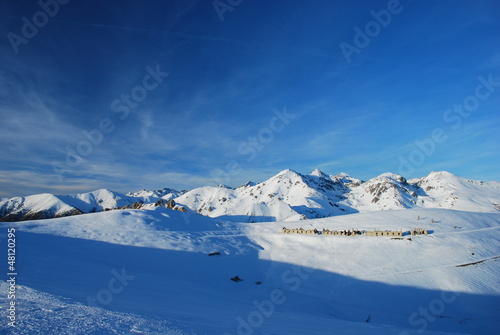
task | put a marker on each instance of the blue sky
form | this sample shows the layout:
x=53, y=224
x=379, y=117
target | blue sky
x=244, y=91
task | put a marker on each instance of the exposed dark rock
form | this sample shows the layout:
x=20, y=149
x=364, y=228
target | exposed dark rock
x=160, y=203
x=180, y=208
x=27, y=216
x=170, y=204
x=137, y=205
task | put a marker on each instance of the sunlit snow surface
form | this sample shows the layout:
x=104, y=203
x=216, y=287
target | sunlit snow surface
x=148, y=272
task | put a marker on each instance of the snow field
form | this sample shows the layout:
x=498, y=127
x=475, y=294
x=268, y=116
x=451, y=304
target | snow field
x=310, y=284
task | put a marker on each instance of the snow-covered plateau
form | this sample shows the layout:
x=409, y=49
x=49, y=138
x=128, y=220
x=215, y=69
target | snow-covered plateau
x=214, y=260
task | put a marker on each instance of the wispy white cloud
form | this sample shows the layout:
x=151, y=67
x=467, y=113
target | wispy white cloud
x=328, y=166
x=24, y=182
x=147, y=123
x=31, y=131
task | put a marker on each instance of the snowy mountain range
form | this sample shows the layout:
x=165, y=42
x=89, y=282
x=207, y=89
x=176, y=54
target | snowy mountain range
x=286, y=196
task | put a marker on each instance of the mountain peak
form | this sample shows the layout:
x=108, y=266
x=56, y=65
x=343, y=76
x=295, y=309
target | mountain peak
x=440, y=174
x=224, y=186
x=343, y=177
x=288, y=173
x=319, y=173
x=391, y=176
x=247, y=184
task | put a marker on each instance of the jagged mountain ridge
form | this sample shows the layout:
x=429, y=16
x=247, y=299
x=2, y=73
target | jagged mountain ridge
x=288, y=195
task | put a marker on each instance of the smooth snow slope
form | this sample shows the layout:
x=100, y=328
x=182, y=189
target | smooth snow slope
x=320, y=284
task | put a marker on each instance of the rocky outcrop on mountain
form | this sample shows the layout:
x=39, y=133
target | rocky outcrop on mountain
x=26, y=215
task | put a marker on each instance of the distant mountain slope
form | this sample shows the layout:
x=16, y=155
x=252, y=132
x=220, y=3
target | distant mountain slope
x=288, y=195
x=45, y=206
x=445, y=190
x=151, y=196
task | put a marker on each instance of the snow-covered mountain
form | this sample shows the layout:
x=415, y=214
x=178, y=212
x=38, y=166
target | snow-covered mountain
x=445, y=190
x=288, y=195
x=151, y=196
x=46, y=206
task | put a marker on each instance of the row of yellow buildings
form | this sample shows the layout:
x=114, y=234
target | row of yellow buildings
x=353, y=232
